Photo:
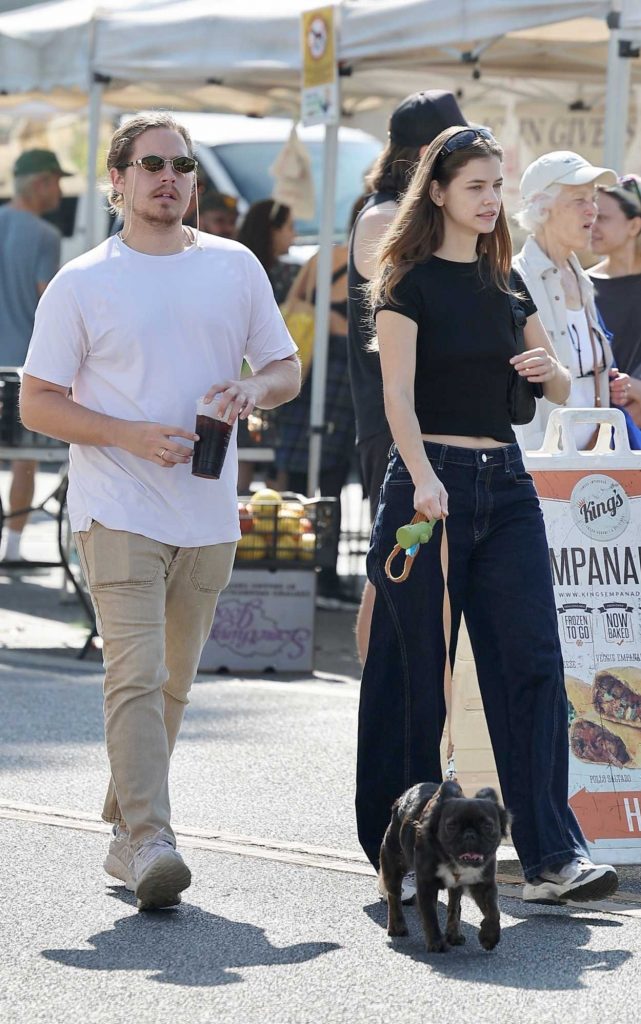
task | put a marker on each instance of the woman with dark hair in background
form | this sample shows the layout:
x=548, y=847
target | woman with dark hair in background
x=616, y=234
x=337, y=452
x=268, y=230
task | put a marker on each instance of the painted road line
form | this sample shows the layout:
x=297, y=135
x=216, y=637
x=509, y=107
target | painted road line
x=301, y=854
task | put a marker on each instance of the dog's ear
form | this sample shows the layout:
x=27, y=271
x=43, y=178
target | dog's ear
x=449, y=790
x=487, y=794
x=431, y=815
x=505, y=818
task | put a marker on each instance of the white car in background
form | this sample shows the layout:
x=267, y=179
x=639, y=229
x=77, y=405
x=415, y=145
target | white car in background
x=237, y=152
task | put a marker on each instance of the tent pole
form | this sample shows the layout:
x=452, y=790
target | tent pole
x=323, y=289
x=617, y=95
x=95, y=103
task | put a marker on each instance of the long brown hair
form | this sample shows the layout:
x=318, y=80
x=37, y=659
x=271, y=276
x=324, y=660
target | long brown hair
x=393, y=169
x=418, y=229
x=257, y=231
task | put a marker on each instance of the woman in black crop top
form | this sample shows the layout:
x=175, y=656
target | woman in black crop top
x=445, y=330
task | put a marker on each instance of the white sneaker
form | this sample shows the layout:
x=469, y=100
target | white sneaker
x=159, y=873
x=119, y=862
x=579, y=880
x=408, y=887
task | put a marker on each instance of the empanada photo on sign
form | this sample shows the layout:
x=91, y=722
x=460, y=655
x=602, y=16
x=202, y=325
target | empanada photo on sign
x=579, y=694
x=595, y=743
x=616, y=695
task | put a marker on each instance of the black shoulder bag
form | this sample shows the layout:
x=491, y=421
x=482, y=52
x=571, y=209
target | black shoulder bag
x=521, y=394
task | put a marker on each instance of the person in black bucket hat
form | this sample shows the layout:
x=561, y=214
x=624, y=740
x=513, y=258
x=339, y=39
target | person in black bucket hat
x=415, y=122
x=421, y=116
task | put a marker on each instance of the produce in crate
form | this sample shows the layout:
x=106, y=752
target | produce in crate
x=251, y=547
x=264, y=507
x=264, y=524
x=287, y=547
x=264, y=503
x=273, y=527
x=288, y=521
x=246, y=518
x=307, y=547
x=294, y=508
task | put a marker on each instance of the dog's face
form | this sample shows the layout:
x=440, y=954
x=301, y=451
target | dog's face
x=468, y=831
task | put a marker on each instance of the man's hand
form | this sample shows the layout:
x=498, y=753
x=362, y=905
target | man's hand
x=152, y=441
x=236, y=399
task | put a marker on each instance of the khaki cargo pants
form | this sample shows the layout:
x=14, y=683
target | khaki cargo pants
x=154, y=608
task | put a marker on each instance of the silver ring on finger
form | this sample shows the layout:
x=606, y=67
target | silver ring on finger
x=161, y=453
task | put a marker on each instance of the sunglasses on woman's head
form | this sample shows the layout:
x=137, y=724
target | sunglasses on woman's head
x=630, y=184
x=181, y=164
x=464, y=138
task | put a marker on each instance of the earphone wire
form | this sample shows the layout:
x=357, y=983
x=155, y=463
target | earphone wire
x=124, y=237
x=198, y=245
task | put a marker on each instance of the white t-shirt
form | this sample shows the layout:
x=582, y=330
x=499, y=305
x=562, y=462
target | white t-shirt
x=581, y=363
x=141, y=337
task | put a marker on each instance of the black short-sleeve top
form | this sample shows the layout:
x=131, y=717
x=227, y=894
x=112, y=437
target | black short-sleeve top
x=464, y=343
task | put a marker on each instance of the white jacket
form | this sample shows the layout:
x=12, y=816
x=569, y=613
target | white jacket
x=542, y=280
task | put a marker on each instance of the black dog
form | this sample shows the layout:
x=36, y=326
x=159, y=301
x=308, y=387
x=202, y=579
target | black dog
x=451, y=843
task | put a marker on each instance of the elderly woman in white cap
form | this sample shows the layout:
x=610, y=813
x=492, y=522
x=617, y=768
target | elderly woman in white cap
x=558, y=209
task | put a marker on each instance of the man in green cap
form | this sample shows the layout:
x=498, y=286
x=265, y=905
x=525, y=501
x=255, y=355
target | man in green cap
x=29, y=258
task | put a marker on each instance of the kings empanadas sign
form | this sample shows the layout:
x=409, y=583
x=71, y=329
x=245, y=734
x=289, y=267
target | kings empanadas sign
x=593, y=523
x=600, y=507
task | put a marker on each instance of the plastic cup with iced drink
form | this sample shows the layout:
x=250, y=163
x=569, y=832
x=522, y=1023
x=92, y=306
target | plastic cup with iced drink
x=213, y=433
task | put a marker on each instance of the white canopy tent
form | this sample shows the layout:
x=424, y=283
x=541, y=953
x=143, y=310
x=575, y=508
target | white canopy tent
x=212, y=55
x=58, y=45
x=191, y=54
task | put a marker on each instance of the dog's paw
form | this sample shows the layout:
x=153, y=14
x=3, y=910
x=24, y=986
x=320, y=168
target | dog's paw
x=438, y=946
x=455, y=938
x=489, y=937
x=397, y=931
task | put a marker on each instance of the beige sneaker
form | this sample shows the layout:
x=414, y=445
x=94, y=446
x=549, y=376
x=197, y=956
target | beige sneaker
x=119, y=861
x=159, y=873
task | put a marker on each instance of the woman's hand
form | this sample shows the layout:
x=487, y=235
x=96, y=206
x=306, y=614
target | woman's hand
x=536, y=365
x=430, y=498
x=623, y=388
x=548, y=371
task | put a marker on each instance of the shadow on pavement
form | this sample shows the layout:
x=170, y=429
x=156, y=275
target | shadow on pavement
x=186, y=946
x=543, y=951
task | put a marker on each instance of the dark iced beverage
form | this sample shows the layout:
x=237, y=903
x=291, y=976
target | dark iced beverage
x=210, y=449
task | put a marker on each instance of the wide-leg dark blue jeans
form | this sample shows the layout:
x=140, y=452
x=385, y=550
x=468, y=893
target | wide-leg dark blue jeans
x=499, y=578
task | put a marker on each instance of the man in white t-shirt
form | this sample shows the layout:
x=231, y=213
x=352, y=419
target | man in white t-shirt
x=137, y=329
